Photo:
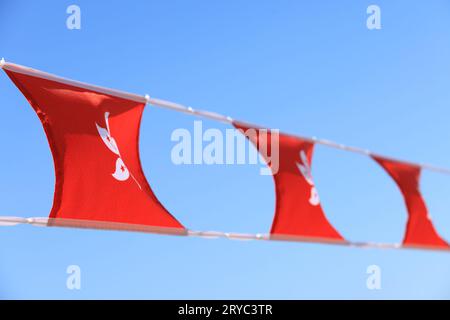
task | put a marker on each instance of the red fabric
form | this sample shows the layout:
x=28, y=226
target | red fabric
x=298, y=211
x=97, y=179
x=419, y=229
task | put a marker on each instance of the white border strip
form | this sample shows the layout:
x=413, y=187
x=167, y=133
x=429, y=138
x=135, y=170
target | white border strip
x=201, y=113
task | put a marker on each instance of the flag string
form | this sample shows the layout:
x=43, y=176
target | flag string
x=328, y=143
x=201, y=113
x=44, y=222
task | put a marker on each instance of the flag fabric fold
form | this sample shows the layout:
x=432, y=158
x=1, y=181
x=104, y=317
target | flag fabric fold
x=298, y=212
x=94, y=139
x=420, y=231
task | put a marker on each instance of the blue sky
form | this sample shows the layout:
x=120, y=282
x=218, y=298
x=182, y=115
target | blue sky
x=309, y=68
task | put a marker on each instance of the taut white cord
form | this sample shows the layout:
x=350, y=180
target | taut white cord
x=189, y=110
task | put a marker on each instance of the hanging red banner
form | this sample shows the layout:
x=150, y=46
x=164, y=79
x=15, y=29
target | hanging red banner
x=94, y=140
x=298, y=212
x=420, y=231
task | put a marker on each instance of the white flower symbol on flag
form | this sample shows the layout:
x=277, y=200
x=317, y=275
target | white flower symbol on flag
x=305, y=170
x=121, y=172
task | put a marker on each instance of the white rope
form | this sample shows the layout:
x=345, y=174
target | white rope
x=327, y=143
x=48, y=76
x=201, y=113
x=43, y=222
x=6, y=221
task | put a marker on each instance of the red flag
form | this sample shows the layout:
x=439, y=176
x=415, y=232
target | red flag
x=298, y=211
x=419, y=229
x=94, y=139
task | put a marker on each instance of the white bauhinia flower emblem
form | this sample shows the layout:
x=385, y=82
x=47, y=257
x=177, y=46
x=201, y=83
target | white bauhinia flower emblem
x=121, y=172
x=305, y=170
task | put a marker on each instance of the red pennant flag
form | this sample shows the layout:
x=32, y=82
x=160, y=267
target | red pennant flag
x=298, y=211
x=420, y=231
x=94, y=137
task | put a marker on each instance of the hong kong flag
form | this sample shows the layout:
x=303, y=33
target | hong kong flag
x=298, y=212
x=94, y=136
x=420, y=231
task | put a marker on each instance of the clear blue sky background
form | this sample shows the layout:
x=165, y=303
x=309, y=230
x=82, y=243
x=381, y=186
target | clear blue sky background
x=310, y=68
